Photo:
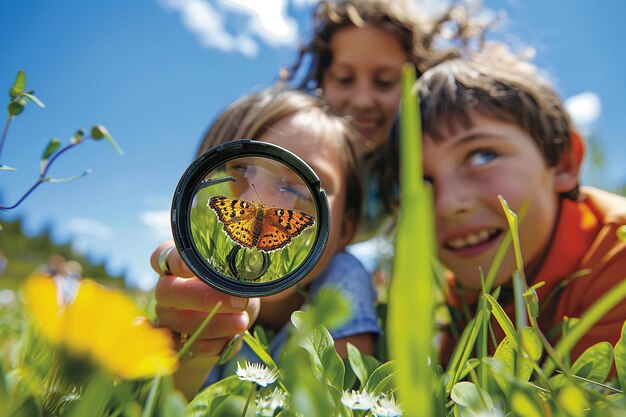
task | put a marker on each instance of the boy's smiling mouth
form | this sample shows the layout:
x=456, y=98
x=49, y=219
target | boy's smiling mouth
x=470, y=243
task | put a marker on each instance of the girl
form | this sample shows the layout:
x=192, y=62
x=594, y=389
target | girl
x=355, y=60
x=302, y=124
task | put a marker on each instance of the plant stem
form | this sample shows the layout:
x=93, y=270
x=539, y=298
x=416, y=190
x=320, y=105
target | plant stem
x=185, y=348
x=42, y=175
x=56, y=155
x=22, y=198
x=152, y=397
x=4, y=134
x=245, y=408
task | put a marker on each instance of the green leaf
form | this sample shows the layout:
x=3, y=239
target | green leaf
x=523, y=405
x=598, y=309
x=16, y=107
x=94, y=399
x=595, y=362
x=378, y=379
x=6, y=168
x=28, y=408
x=532, y=301
x=18, y=85
x=511, y=218
x=34, y=99
x=573, y=400
x=261, y=337
x=173, y=404
x=356, y=362
x=203, y=403
x=78, y=136
x=308, y=395
x=50, y=148
x=468, y=395
x=326, y=362
x=66, y=179
x=503, y=320
x=531, y=344
x=506, y=354
x=4, y=391
x=259, y=350
x=98, y=132
x=620, y=358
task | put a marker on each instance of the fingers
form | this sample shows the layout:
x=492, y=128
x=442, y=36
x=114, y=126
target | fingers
x=224, y=325
x=193, y=294
x=176, y=265
x=183, y=302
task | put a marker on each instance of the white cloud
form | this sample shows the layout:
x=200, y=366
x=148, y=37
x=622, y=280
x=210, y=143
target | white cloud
x=90, y=228
x=235, y=25
x=584, y=108
x=158, y=221
x=268, y=20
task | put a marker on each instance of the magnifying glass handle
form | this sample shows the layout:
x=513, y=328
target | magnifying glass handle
x=232, y=264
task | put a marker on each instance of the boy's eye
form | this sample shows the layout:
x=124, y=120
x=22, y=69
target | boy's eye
x=481, y=157
x=428, y=181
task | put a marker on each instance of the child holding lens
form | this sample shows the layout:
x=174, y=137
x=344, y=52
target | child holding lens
x=302, y=124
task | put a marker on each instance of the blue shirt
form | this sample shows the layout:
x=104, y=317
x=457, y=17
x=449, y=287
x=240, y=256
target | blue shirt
x=344, y=273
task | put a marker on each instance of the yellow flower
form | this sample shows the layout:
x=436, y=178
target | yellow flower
x=102, y=324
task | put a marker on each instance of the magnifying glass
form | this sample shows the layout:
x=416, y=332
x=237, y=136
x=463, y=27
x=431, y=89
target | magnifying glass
x=250, y=218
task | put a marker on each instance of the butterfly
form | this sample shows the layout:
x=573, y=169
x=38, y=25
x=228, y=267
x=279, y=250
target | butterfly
x=255, y=225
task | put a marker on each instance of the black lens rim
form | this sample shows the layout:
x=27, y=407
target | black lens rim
x=181, y=206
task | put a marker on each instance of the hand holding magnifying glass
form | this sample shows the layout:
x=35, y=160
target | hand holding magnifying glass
x=182, y=303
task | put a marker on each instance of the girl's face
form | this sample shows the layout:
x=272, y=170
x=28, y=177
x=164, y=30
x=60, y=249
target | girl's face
x=363, y=81
x=321, y=153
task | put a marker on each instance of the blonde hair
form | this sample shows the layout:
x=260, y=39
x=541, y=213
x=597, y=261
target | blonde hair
x=252, y=116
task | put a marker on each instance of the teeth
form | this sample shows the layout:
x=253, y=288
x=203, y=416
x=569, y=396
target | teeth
x=469, y=240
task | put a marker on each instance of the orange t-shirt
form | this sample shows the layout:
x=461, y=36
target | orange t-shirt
x=585, y=245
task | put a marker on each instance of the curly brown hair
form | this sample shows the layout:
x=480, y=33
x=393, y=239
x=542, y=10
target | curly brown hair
x=421, y=37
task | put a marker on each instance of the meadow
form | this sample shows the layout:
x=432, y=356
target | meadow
x=78, y=349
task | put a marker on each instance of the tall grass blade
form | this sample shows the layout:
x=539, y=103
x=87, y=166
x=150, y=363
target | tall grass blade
x=411, y=295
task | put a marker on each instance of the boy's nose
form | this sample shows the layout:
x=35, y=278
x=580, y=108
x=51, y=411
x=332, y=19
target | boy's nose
x=452, y=199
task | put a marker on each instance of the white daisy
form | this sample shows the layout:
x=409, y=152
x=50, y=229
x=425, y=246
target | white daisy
x=257, y=373
x=358, y=400
x=387, y=407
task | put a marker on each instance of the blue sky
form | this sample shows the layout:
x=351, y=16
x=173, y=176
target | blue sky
x=156, y=73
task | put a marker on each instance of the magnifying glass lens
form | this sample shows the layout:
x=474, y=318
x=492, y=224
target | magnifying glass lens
x=253, y=219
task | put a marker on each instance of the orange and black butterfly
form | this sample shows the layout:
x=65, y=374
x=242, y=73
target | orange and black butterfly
x=254, y=225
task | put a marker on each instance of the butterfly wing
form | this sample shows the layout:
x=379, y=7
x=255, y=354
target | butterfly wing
x=237, y=217
x=280, y=226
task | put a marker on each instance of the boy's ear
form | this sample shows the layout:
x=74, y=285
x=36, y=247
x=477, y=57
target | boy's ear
x=568, y=169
